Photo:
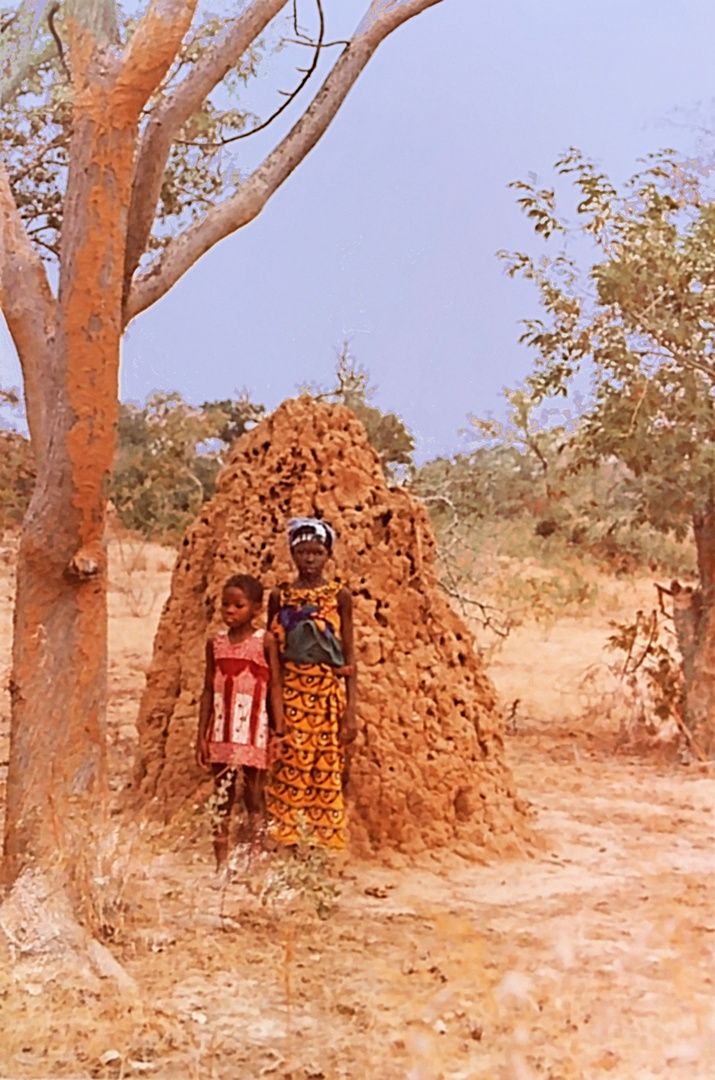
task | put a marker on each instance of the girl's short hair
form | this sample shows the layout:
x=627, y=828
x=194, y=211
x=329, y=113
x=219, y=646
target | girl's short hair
x=249, y=586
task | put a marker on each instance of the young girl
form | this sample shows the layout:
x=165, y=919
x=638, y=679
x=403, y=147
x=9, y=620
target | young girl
x=242, y=669
x=312, y=623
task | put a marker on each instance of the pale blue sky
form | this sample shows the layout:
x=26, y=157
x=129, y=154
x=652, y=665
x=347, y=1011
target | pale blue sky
x=387, y=233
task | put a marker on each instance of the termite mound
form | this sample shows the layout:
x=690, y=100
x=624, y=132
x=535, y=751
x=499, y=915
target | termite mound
x=427, y=768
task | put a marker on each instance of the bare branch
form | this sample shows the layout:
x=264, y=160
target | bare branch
x=29, y=309
x=485, y=618
x=289, y=96
x=170, y=116
x=312, y=44
x=57, y=39
x=235, y=212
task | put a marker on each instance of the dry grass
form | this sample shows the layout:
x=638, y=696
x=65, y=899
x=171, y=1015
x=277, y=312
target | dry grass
x=593, y=958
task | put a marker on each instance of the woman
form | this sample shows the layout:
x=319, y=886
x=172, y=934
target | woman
x=311, y=620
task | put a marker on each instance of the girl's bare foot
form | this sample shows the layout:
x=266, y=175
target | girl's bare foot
x=221, y=878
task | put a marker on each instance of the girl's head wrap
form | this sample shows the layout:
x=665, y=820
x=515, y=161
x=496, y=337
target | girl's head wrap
x=301, y=530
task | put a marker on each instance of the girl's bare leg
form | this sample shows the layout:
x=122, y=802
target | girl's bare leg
x=253, y=801
x=221, y=826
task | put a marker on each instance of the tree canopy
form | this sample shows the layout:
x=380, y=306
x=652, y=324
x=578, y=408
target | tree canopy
x=387, y=432
x=643, y=319
x=643, y=316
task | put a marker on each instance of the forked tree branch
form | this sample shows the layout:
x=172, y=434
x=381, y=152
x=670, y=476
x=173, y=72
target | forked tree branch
x=151, y=50
x=29, y=308
x=226, y=217
x=169, y=117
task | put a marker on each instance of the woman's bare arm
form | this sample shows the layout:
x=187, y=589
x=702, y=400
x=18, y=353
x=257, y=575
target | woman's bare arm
x=275, y=688
x=274, y=604
x=348, y=724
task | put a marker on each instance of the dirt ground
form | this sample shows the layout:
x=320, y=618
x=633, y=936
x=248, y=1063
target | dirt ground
x=591, y=956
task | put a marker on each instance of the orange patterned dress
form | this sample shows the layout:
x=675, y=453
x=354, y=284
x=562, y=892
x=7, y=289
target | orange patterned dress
x=304, y=792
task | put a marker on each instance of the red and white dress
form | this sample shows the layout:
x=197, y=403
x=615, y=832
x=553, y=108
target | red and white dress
x=238, y=733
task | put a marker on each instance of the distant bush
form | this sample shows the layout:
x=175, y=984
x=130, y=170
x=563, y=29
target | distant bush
x=169, y=453
x=17, y=478
x=167, y=459
x=564, y=509
x=387, y=432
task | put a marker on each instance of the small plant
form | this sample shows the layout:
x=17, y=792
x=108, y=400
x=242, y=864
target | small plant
x=107, y=877
x=217, y=803
x=650, y=671
x=303, y=872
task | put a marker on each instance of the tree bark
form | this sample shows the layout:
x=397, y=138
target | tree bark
x=29, y=308
x=57, y=775
x=697, y=622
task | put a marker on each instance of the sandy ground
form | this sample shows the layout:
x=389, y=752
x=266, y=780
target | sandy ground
x=592, y=956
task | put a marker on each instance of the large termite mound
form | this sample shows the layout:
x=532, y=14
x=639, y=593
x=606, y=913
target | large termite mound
x=426, y=769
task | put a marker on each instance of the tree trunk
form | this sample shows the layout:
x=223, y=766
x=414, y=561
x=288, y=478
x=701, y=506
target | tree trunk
x=57, y=789
x=57, y=776
x=56, y=779
x=696, y=632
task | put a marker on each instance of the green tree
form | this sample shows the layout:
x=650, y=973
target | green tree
x=156, y=488
x=168, y=456
x=643, y=317
x=235, y=415
x=540, y=469
x=387, y=432
x=17, y=478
